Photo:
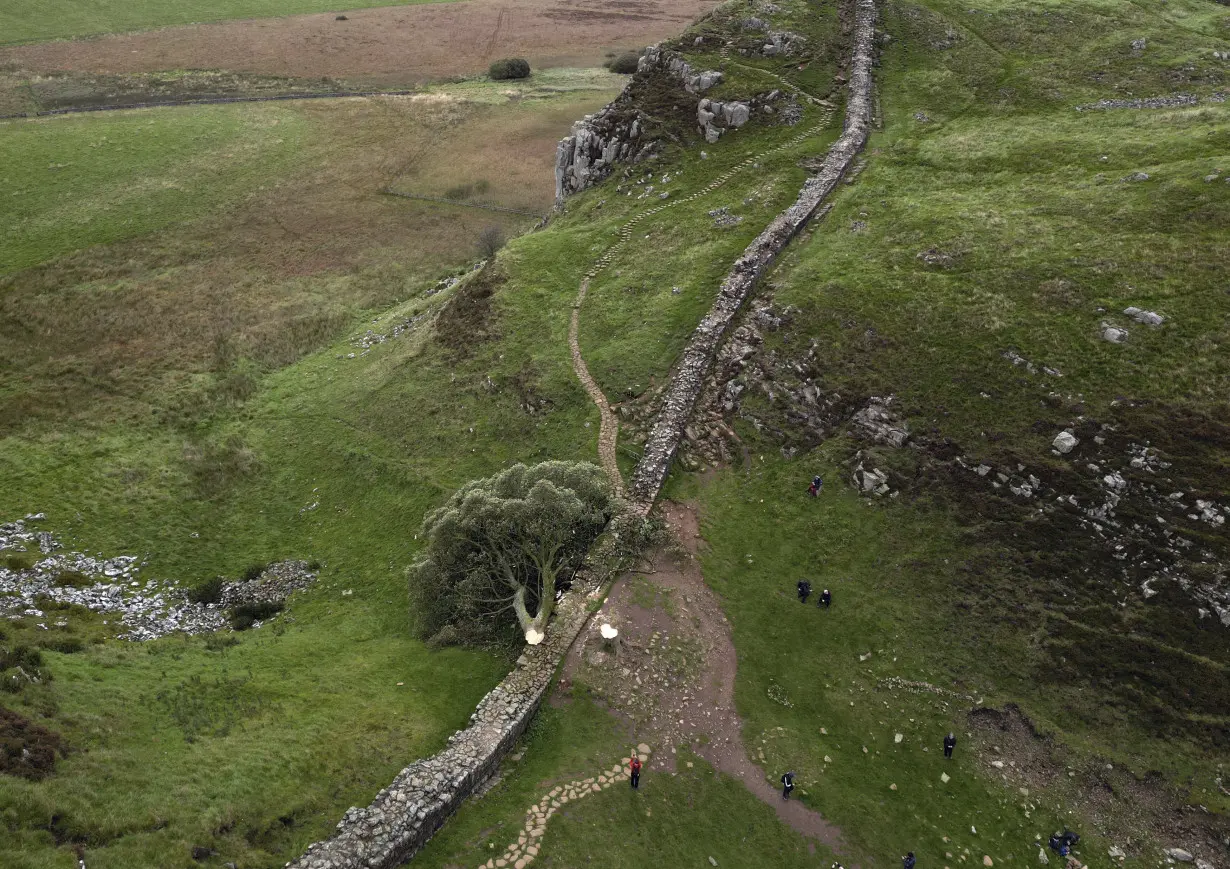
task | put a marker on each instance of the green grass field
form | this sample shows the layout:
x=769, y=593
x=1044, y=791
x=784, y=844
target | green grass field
x=64, y=19
x=229, y=424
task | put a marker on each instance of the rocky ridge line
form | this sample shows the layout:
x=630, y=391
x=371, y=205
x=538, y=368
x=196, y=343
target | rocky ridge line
x=689, y=377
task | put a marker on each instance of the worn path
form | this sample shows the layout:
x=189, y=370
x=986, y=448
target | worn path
x=608, y=431
x=673, y=672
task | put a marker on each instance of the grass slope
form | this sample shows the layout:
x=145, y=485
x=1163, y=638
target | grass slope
x=63, y=19
x=216, y=452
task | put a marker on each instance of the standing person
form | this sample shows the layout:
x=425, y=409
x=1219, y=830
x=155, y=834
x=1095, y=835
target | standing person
x=816, y=485
x=634, y=770
x=787, y=785
x=804, y=590
x=907, y=862
x=826, y=599
x=950, y=742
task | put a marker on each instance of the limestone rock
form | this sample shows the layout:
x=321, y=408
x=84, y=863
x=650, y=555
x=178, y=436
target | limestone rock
x=1065, y=442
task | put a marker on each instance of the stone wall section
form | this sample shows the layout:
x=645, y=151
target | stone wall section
x=688, y=379
x=405, y=815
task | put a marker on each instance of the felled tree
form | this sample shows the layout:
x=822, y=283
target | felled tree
x=498, y=545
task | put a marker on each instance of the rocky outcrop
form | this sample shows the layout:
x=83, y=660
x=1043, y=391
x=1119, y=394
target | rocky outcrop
x=716, y=117
x=616, y=134
x=688, y=379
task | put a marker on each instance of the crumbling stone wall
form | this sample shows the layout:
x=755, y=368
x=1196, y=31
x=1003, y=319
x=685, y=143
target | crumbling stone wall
x=689, y=376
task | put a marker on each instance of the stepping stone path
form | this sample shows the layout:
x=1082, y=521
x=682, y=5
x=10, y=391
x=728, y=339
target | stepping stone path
x=608, y=427
x=522, y=852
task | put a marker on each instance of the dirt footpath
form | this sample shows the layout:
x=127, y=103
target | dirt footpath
x=386, y=46
x=672, y=675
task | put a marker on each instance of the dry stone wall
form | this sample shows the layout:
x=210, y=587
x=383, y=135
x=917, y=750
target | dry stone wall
x=404, y=815
x=692, y=370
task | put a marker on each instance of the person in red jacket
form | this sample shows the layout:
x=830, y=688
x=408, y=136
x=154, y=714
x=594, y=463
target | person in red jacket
x=634, y=768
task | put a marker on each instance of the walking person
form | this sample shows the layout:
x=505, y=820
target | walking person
x=950, y=742
x=634, y=771
x=826, y=599
x=787, y=785
x=804, y=590
x=907, y=862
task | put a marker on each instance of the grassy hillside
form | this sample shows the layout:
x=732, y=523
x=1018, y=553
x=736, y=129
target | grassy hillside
x=991, y=217
x=195, y=394
x=62, y=19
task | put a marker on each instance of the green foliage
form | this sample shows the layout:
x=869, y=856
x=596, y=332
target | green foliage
x=253, y=571
x=74, y=579
x=503, y=539
x=246, y=615
x=509, y=68
x=207, y=591
x=19, y=560
x=624, y=64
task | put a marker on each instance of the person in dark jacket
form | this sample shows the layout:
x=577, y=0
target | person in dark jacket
x=826, y=599
x=787, y=785
x=634, y=771
x=907, y=862
x=950, y=742
x=816, y=485
x=804, y=590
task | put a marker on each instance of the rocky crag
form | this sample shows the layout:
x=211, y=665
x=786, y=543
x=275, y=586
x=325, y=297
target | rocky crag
x=619, y=132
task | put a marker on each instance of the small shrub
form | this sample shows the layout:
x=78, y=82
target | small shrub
x=27, y=750
x=209, y=591
x=625, y=64
x=220, y=642
x=215, y=467
x=74, y=579
x=64, y=645
x=247, y=614
x=446, y=636
x=253, y=572
x=314, y=565
x=490, y=240
x=461, y=191
x=509, y=68
x=19, y=561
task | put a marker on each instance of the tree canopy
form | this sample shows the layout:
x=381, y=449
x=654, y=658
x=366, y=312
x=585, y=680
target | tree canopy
x=496, y=548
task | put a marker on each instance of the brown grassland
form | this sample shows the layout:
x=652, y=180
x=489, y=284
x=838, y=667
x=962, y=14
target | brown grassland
x=387, y=46
x=289, y=267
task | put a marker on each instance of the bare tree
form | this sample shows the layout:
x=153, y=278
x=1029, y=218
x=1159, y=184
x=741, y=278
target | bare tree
x=499, y=544
x=490, y=240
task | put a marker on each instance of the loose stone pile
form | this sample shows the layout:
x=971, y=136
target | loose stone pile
x=148, y=608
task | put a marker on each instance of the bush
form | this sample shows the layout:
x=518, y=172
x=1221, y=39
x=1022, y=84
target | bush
x=209, y=591
x=247, y=614
x=508, y=68
x=252, y=572
x=74, y=579
x=625, y=64
x=26, y=749
x=19, y=561
x=490, y=240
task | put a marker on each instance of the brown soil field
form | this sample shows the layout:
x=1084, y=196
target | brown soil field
x=385, y=46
